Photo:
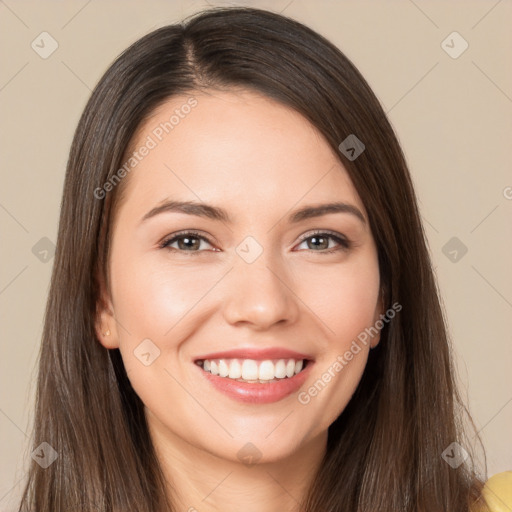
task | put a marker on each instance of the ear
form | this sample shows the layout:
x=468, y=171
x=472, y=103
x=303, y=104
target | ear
x=379, y=311
x=106, y=325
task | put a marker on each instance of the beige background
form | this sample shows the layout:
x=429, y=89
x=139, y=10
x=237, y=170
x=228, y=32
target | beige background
x=453, y=118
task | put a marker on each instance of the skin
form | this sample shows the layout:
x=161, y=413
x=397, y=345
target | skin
x=260, y=161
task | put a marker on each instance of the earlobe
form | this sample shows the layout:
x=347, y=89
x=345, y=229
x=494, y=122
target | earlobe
x=106, y=330
x=105, y=322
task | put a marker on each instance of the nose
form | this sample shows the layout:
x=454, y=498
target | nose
x=259, y=294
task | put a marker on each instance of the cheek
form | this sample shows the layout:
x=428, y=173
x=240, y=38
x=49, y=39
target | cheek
x=344, y=297
x=347, y=305
x=160, y=301
x=152, y=294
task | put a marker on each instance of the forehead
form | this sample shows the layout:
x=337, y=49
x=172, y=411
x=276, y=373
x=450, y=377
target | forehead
x=237, y=147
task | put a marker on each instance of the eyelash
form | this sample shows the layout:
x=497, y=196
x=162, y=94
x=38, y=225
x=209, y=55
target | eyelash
x=344, y=244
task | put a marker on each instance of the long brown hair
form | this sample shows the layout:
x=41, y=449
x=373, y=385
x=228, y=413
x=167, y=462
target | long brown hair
x=385, y=449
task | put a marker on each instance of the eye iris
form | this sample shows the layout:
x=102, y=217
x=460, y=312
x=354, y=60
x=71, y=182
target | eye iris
x=323, y=239
x=183, y=241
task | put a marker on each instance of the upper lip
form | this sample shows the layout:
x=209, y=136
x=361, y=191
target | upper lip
x=256, y=354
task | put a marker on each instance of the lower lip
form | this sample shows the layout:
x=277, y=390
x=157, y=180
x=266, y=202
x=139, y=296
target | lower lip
x=257, y=393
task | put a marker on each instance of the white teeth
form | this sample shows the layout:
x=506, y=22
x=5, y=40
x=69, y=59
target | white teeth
x=235, y=370
x=280, y=369
x=223, y=368
x=252, y=370
x=266, y=371
x=290, y=368
x=249, y=369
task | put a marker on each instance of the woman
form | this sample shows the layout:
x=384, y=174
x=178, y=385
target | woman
x=197, y=353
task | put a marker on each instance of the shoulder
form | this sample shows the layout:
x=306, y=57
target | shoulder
x=498, y=492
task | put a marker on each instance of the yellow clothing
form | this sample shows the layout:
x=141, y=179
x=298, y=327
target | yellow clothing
x=498, y=492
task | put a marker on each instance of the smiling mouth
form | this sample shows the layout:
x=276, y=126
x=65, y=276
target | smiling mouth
x=254, y=371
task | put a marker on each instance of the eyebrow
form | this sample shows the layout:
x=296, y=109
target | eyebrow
x=217, y=213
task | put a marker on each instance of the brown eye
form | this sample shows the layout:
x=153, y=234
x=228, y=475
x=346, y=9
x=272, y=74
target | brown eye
x=325, y=242
x=186, y=242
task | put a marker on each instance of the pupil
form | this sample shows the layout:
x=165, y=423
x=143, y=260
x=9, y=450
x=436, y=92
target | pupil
x=321, y=238
x=183, y=243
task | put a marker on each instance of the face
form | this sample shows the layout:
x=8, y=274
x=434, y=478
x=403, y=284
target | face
x=253, y=283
